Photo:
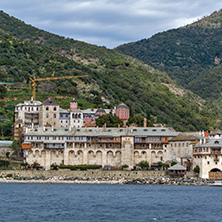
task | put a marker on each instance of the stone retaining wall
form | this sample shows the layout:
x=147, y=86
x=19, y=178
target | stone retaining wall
x=66, y=173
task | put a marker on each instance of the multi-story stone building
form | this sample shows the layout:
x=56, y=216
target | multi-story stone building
x=100, y=146
x=26, y=115
x=64, y=118
x=49, y=113
x=180, y=148
x=208, y=156
x=33, y=114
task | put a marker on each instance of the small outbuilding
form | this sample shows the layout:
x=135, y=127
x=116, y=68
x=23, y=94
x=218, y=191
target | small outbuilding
x=177, y=171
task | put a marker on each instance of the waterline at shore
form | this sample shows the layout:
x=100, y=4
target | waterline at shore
x=138, y=181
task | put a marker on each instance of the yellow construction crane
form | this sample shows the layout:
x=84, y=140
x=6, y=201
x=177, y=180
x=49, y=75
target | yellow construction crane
x=34, y=80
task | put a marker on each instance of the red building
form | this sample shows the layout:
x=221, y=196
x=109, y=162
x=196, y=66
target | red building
x=123, y=112
x=99, y=112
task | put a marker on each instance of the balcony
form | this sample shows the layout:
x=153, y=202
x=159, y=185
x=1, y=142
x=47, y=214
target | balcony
x=31, y=120
x=216, y=152
x=216, y=159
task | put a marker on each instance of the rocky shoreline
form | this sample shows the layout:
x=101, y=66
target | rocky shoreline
x=107, y=180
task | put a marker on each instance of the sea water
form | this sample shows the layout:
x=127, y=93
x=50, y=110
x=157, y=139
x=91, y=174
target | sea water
x=79, y=202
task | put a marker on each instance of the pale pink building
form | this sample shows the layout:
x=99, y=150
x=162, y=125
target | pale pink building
x=123, y=112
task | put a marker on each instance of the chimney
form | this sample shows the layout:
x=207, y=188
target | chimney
x=85, y=128
x=104, y=127
x=131, y=129
x=203, y=133
x=145, y=123
x=32, y=125
x=70, y=128
x=200, y=141
x=44, y=128
x=97, y=129
x=52, y=128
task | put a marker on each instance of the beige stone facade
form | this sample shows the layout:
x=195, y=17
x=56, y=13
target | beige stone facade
x=97, y=146
x=208, y=156
x=49, y=113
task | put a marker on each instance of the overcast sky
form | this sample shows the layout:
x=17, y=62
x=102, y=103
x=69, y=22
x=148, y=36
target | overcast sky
x=109, y=22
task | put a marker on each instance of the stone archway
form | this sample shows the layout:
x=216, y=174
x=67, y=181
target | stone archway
x=71, y=157
x=110, y=158
x=118, y=158
x=91, y=158
x=215, y=170
x=99, y=157
x=136, y=157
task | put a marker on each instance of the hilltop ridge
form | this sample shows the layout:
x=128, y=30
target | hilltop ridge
x=113, y=77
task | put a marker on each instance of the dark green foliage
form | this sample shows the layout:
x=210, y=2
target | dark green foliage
x=196, y=169
x=139, y=121
x=173, y=163
x=7, y=154
x=191, y=55
x=4, y=163
x=54, y=167
x=144, y=165
x=110, y=120
x=3, y=90
x=16, y=148
x=116, y=77
x=80, y=167
x=25, y=165
x=125, y=166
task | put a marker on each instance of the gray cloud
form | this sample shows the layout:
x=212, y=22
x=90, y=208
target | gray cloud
x=109, y=22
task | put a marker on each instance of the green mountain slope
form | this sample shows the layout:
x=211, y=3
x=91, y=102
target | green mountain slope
x=113, y=77
x=183, y=53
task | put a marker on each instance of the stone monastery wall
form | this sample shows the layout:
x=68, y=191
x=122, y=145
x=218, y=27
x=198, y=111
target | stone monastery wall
x=65, y=173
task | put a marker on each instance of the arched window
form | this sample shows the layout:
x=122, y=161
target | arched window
x=47, y=108
x=54, y=108
x=54, y=115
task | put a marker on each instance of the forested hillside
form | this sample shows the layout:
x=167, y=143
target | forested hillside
x=113, y=77
x=187, y=54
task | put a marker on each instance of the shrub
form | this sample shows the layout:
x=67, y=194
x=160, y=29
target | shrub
x=196, y=169
x=54, y=167
x=4, y=163
x=125, y=166
x=144, y=165
x=80, y=167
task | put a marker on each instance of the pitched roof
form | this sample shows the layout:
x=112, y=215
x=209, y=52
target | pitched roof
x=185, y=137
x=49, y=102
x=178, y=166
x=210, y=143
x=148, y=131
x=5, y=143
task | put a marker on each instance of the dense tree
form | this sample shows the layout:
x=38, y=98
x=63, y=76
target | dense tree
x=118, y=78
x=110, y=120
x=144, y=165
x=3, y=90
